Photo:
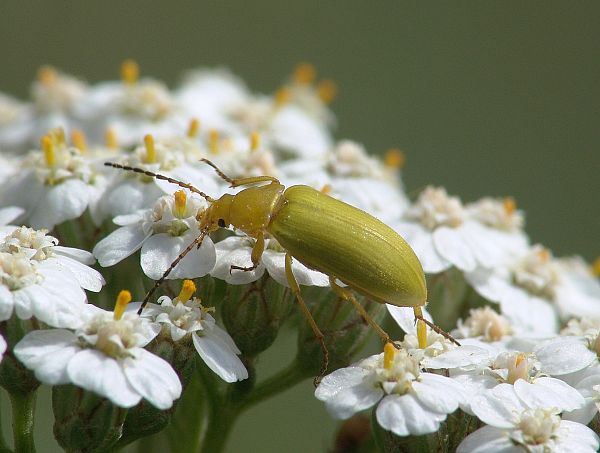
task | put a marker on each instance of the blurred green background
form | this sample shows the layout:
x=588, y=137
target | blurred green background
x=485, y=98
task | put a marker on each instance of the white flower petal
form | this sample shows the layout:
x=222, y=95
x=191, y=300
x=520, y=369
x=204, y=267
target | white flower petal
x=275, y=264
x=119, y=244
x=421, y=241
x=93, y=371
x=48, y=352
x=341, y=378
x=64, y=201
x=577, y=437
x=160, y=250
x=463, y=356
x=453, y=246
x=405, y=317
x=564, y=355
x=438, y=393
x=404, y=415
x=486, y=440
x=9, y=214
x=548, y=392
x=153, y=378
x=83, y=256
x=498, y=407
x=6, y=303
x=87, y=277
x=219, y=358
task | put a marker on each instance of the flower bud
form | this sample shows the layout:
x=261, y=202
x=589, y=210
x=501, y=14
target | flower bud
x=14, y=377
x=84, y=421
x=253, y=313
x=344, y=329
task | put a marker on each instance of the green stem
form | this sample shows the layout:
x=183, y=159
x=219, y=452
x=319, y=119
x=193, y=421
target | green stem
x=281, y=381
x=220, y=422
x=4, y=448
x=23, y=409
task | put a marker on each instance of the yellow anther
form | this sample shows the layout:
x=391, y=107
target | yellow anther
x=150, y=149
x=130, y=72
x=282, y=96
x=519, y=360
x=389, y=353
x=596, y=267
x=187, y=291
x=48, y=148
x=110, y=138
x=58, y=136
x=47, y=75
x=78, y=139
x=326, y=189
x=254, y=141
x=510, y=206
x=327, y=90
x=421, y=328
x=123, y=299
x=305, y=73
x=180, y=203
x=544, y=254
x=213, y=141
x=394, y=158
x=193, y=128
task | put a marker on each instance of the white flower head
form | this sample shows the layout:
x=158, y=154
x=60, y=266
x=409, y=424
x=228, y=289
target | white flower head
x=185, y=315
x=162, y=233
x=515, y=425
x=484, y=323
x=105, y=355
x=56, y=92
x=41, y=289
x=3, y=347
x=409, y=401
x=37, y=245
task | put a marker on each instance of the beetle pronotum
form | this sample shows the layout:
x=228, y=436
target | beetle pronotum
x=324, y=234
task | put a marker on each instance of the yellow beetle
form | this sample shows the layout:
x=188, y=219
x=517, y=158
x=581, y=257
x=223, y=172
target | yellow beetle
x=324, y=234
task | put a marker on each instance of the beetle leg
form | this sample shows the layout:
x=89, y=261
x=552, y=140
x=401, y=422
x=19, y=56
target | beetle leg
x=257, y=252
x=306, y=312
x=347, y=295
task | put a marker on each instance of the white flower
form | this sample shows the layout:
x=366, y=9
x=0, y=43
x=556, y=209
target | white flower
x=525, y=373
x=8, y=214
x=185, y=315
x=39, y=246
x=408, y=400
x=16, y=123
x=105, y=355
x=237, y=250
x=589, y=387
x=484, y=323
x=162, y=233
x=518, y=426
x=54, y=184
x=130, y=191
x=33, y=288
x=444, y=233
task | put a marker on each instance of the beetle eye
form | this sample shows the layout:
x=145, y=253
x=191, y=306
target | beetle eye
x=221, y=223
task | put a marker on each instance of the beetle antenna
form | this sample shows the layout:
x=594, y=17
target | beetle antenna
x=218, y=170
x=195, y=243
x=185, y=185
x=438, y=329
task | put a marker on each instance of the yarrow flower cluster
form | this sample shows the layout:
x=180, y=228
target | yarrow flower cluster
x=528, y=323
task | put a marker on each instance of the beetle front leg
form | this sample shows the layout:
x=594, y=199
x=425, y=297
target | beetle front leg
x=306, y=312
x=257, y=252
x=347, y=295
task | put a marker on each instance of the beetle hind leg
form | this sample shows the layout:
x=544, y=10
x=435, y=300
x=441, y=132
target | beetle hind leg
x=306, y=312
x=257, y=251
x=422, y=332
x=347, y=295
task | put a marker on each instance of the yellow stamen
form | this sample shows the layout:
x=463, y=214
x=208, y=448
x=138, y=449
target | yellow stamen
x=150, y=149
x=305, y=73
x=58, y=135
x=180, y=203
x=254, y=141
x=47, y=75
x=193, y=128
x=78, y=139
x=389, y=353
x=421, y=328
x=544, y=254
x=187, y=291
x=282, y=96
x=123, y=299
x=110, y=139
x=49, y=152
x=327, y=90
x=394, y=158
x=213, y=141
x=510, y=206
x=130, y=72
x=326, y=189
x=596, y=267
